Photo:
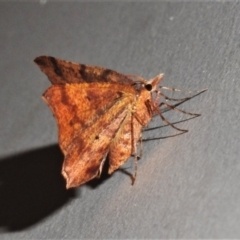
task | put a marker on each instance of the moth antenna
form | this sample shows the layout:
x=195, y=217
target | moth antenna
x=174, y=89
x=177, y=104
x=180, y=90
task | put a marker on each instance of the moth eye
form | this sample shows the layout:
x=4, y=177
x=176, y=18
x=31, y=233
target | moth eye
x=96, y=137
x=148, y=87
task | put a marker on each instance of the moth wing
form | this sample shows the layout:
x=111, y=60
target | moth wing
x=87, y=153
x=122, y=146
x=88, y=116
x=76, y=106
x=62, y=72
x=125, y=141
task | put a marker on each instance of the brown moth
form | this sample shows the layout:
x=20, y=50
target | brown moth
x=100, y=114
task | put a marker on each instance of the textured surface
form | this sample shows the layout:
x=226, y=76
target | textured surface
x=187, y=186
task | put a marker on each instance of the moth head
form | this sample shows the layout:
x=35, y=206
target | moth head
x=152, y=84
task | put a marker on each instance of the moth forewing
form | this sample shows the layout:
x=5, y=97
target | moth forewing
x=60, y=71
x=85, y=158
x=83, y=161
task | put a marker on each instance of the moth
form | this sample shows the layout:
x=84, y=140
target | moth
x=100, y=115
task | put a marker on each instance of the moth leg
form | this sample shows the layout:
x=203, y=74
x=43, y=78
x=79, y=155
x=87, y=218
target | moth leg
x=134, y=152
x=179, y=110
x=158, y=138
x=173, y=99
x=139, y=156
x=135, y=142
x=173, y=107
x=166, y=109
x=159, y=93
x=141, y=147
x=162, y=117
x=166, y=125
x=135, y=169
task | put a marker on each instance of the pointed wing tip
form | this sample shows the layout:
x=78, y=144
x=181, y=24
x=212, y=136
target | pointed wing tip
x=71, y=182
x=68, y=182
x=69, y=185
x=44, y=98
x=41, y=60
x=46, y=95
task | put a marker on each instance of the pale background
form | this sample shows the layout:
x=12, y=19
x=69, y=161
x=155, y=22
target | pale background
x=187, y=186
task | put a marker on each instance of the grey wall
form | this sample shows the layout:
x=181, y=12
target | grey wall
x=187, y=186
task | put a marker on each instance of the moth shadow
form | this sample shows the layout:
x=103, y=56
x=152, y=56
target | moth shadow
x=96, y=182
x=31, y=187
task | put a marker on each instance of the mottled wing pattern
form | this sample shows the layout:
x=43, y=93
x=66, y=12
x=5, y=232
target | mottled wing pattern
x=88, y=116
x=86, y=154
x=77, y=106
x=128, y=134
x=121, y=146
x=62, y=72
